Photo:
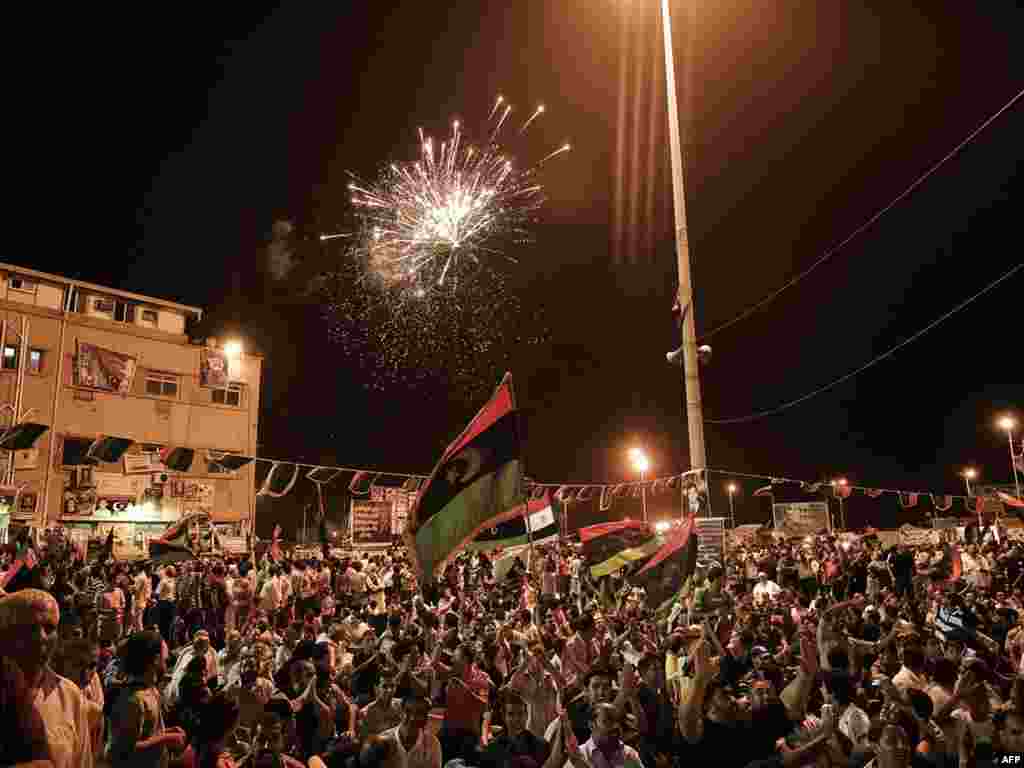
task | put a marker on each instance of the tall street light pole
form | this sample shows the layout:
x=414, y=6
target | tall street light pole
x=641, y=464
x=969, y=474
x=1008, y=424
x=731, y=488
x=691, y=378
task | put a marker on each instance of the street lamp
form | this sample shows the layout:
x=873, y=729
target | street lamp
x=641, y=464
x=1008, y=423
x=731, y=488
x=969, y=474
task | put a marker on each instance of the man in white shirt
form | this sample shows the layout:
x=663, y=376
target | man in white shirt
x=270, y=594
x=28, y=637
x=765, y=590
x=142, y=591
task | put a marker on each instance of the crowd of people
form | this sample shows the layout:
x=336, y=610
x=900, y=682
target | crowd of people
x=813, y=651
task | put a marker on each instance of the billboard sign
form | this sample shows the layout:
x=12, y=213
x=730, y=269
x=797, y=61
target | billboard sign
x=371, y=522
x=804, y=518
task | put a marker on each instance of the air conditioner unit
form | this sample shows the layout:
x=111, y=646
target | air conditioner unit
x=94, y=305
x=26, y=459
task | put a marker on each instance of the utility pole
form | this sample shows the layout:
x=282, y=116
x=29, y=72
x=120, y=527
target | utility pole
x=691, y=372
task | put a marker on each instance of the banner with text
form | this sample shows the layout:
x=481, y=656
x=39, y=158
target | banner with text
x=912, y=536
x=370, y=522
x=804, y=518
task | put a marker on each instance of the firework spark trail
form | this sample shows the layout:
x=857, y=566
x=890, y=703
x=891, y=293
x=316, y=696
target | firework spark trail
x=494, y=109
x=536, y=113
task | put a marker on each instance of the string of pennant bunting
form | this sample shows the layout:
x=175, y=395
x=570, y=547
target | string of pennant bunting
x=363, y=481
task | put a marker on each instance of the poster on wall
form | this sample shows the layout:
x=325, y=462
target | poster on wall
x=100, y=368
x=193, y=495
x=213, y=369
x=403, y=501
x=805, y=518
x=370, y=522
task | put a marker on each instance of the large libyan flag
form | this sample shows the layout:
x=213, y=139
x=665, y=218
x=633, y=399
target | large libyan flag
x=477, y=481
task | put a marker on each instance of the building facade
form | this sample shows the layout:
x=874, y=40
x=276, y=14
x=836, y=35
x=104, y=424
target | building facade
x=138, y=417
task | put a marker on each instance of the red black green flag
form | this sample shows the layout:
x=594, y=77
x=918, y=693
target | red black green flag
x=477, y=480
x=609, y=547
x=660, y=563
x=663, y=575
x=173, y=545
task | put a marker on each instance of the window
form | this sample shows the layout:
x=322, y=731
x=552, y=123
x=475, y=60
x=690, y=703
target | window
x=124, y=312
x=106, y=306
x=21, y=284
x=35, y=359
x=161, y=384
x=149, y=316
x=230, y=396
x=74, y=450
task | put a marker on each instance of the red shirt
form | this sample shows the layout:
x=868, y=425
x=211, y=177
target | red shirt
x=464, y=709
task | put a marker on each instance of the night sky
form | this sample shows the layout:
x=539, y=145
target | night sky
x=176, y=140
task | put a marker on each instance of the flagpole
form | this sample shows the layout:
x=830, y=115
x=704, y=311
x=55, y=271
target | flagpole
x=529, y=538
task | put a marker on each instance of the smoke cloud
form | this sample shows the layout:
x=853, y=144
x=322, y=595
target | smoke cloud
x=280, y=255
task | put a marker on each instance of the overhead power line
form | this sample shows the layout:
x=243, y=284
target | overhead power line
x=885, y=355
x=866, y=225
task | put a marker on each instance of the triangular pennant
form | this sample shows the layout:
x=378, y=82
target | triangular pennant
x=908, y=500
x=538, y=491
x=606, y=499
x=564, y=493
x=267, y=490
x=323, y=474
x=361, y=483
x=411, y=484
x=638, y=490
x=585, y=493
x=873, y=493
x=979, y=504
x=657, y=486
x=673, y=482
x=620, y=490
x=942, y=503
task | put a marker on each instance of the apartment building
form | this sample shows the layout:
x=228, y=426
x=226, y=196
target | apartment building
x=126, y=423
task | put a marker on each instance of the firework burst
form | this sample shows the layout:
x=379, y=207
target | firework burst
x=431, y=221
x=420, y=296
